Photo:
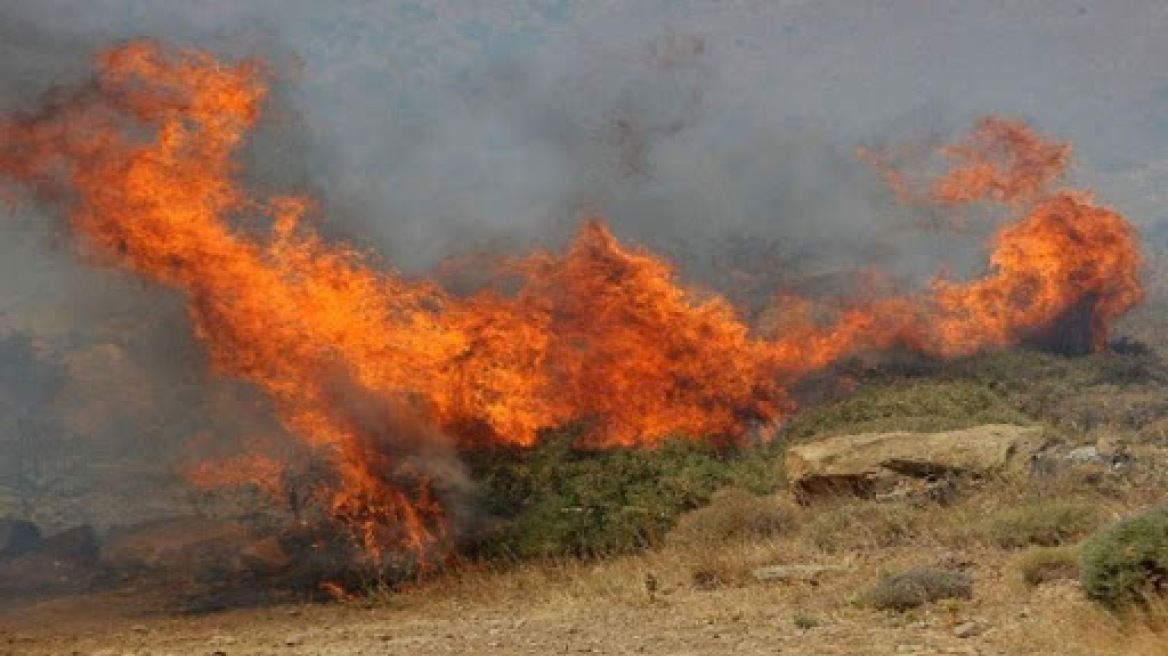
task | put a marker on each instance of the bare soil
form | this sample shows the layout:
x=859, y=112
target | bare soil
x=604, y=608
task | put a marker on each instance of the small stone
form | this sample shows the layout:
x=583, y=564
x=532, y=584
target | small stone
x=805, y=573
x=1084, y=454
x=139, y=628
x=293, y=641
x=966, y=630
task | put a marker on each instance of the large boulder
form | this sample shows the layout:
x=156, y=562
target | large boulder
x=879, y=463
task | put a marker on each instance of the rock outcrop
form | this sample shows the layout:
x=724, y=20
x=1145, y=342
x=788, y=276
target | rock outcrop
x=875, y=464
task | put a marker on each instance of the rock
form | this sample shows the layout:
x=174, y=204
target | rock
x=876, y=463
x=793, y=573
x=1084, y=454
x=78, y=544
x=18, y=537
x=967, y=629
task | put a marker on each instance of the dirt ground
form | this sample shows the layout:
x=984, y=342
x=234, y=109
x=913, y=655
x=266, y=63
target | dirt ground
x=603, y=609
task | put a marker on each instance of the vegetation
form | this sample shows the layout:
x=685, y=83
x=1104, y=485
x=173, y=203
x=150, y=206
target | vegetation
x=1039, y=523
x=1127, y=564
x=1044, y=564
x=918, y=586
x=1121, y=389
x=862, y=525
x=560, y=500
x=734, y=514
x=913, y=406
x=804, y=621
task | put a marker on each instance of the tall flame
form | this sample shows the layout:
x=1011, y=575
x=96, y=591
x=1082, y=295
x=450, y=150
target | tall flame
x=382, y=375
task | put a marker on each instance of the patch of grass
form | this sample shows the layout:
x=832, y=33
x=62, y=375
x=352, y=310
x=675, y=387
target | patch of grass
x=804, y=621
x=560, y=500
x=1123, y=389
x=734, y=514
x=1045, y=564
x=1127, y=564
x=914, y=406
x=1117, y=389
x=863, y=525
x=1039, y=523
x=916, y=587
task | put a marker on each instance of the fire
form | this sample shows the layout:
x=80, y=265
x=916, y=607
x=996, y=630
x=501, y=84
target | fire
x=384, y=378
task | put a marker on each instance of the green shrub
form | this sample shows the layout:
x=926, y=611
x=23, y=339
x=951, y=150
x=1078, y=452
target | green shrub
x=1044, y=564
x=559, y=500
x=1044, y=524
x=918, y=586
x=733, y=514
x=1127, y=563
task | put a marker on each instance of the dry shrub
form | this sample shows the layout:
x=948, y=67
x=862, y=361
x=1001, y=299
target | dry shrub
x=734, y=514
x=1045, y=564
x=918, y=586
x=863, y=525
x=1040, y=523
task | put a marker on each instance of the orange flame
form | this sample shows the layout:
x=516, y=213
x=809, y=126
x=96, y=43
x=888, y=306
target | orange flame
x=384, y=376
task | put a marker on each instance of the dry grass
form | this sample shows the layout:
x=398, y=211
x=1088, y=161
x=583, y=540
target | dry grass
x=1094, y=631
x=1045, y=564
x=1044, y=523
x=735, y=514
